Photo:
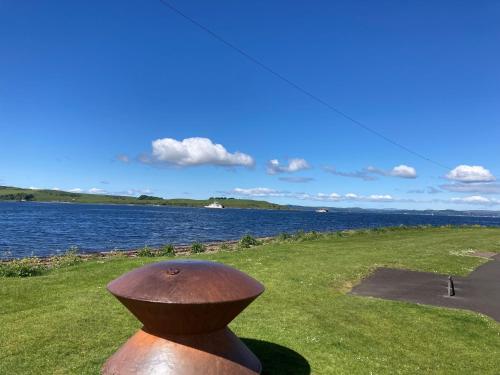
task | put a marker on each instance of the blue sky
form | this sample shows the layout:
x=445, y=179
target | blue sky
x=87, y=87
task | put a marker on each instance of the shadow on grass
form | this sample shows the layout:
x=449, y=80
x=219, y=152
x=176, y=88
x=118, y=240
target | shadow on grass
x=277, y=359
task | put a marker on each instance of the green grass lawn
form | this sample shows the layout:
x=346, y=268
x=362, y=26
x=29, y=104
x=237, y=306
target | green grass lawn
x=67, y=323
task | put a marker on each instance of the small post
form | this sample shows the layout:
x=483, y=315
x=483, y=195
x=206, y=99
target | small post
x=451, y=287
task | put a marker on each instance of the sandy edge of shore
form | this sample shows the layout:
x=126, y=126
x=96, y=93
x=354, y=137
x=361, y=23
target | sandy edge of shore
x=179, y=250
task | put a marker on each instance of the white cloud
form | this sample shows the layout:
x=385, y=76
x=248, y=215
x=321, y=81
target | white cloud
x=367, y=174
x=96, y=191
x=259, y=192
x=476, y=199
x=363, y=174
x=129, y=192
x=353, y=197
x=296, y=179
x=123, y=158
x=470, y=173
x=471, y=187
x=195, y=151
x=132, y=192
x=379, y=198
x=429, y=190
x=34, y=188
x=294, y=165
x=403, y=171
x=75, y=190
x=331, y=197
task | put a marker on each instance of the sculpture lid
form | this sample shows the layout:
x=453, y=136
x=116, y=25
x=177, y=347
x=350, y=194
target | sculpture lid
x=186, y=282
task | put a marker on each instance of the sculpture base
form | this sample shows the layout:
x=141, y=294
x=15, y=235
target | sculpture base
x=219, y=352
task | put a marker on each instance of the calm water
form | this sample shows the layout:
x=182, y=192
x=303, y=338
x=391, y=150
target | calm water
x=48, y=228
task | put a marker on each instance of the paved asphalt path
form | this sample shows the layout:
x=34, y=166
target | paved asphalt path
x=480, y=291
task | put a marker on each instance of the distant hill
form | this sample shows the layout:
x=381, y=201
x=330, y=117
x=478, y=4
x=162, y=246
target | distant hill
x=8, y=193
x=447, y=212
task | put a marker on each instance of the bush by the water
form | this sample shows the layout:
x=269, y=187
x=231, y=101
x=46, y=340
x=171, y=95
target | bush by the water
x=306, y=236
x=167, y=250
x=146, y=251
x=33, y=266
x=24, y=267
x=248, y=241
x=224, y=247
x=197, y=247
x=284, y=237
x=69, y=258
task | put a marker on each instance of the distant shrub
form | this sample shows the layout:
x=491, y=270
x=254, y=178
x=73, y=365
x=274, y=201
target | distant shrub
x=350, y=232
x=33, y=266
x=167, y=250
x=305, y=236
x=310, y=236
x=299, y=235
x=284, y=236
x=17, y=197
x=69, y=258
x=116, y=253
x=145, y=252
x=361, y=232
x=197, y=248
x=224, y=247
x=24, y=267
x=148, y=197
x=248, y=241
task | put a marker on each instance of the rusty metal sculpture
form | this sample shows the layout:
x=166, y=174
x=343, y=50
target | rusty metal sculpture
x=185, y=307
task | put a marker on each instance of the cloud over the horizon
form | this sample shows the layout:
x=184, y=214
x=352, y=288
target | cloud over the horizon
x=259, y=192
x=194, y=152
x=334, y=197
x=401, y=171
x=470, y=174
x=293, y=165
x=322, y=197
x=367, y=174
x=296, y=179
x=473, y=187
x=129, y=192
x=428, y=190
x=96, y=191
x=363, y=174
x=476, y=199
x=123, y=158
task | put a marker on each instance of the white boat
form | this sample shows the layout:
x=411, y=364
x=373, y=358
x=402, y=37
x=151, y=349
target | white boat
x=214, y=205
x=322, y=210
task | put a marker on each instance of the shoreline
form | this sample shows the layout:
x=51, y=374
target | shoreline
x=149, y=205
x=333, y=210
x=210, y=247
x=231, y=245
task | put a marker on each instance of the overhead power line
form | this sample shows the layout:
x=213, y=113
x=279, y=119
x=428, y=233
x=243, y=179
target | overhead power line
x=298, y=87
